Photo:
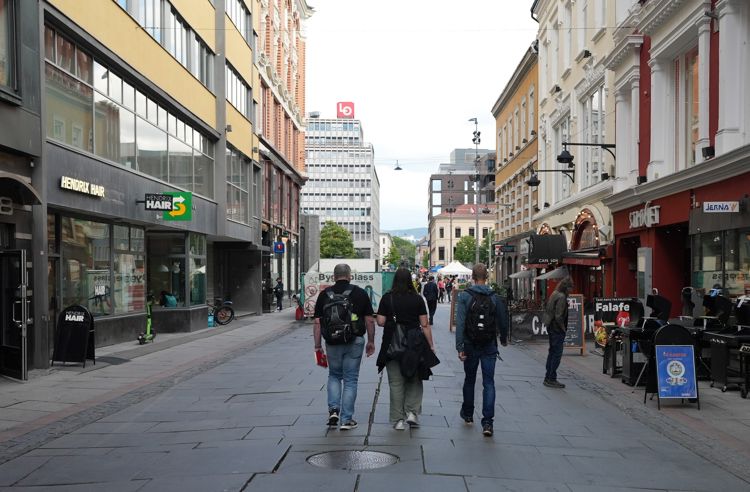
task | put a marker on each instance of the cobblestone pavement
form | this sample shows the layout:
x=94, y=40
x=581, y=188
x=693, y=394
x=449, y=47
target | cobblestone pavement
x=250, y=418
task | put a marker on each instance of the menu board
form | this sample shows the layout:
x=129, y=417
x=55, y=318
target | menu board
x=574, y=336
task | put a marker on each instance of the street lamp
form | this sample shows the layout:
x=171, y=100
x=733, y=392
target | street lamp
x=476, y=140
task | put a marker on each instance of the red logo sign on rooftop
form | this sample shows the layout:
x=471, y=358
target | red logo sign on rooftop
x=345, y=110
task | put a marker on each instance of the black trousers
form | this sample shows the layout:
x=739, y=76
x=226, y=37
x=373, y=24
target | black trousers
x=431, y=307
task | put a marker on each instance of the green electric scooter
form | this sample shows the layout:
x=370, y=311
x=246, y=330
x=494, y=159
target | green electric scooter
x=149, y=334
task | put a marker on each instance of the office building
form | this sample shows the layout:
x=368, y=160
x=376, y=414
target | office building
x=343, y=184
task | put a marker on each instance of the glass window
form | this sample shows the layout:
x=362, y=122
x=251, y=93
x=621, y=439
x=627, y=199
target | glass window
x=84, y=67
x=130, y=279
x=166, y=265
x=66, y=54
x=180, y=164
x=127, y=139
x=140, y=103
x=691, y=105
x=128, y=96
x=115, y=88
x=441, y=232
x=204, y=175
x=151, y=146
x=85, y=265
x=737, y=262
x=106, y=128
x=49, y=41
x=69, y=109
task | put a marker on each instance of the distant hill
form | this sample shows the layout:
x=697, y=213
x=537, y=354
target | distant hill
x=413, y=234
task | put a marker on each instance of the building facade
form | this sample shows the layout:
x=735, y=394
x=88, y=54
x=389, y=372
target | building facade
x=343, y=184
x=681, y=209
x=386, y=241
x=515, y=128
x=448, y=228
x=575, y=105
x=144, y=159
x=280, y=129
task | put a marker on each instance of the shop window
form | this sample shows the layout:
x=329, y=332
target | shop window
x=737, y=262
x=197, y=260
x=166, y=266
x=130, y=276
x=86, y=265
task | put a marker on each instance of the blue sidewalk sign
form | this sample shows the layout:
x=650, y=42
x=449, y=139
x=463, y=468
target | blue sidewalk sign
x=278, y=247
x=675, y=371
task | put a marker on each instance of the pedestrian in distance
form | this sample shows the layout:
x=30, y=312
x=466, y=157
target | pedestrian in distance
x=441, y=290
x=556, y=320
x=480, y=317
x=449, y=287
x=343, y=315
x=431, y=293
x=278, y=291
x=403, y=306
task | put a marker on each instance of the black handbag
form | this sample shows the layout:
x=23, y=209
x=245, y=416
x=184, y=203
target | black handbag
x=398, y=344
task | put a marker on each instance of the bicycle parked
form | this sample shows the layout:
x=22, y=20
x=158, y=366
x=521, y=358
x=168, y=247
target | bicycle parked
x=221, y=310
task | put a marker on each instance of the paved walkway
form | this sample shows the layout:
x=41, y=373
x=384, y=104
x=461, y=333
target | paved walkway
x=232, y=414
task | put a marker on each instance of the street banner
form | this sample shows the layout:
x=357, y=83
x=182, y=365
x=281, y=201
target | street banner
x=675, y=371
x=316, y=282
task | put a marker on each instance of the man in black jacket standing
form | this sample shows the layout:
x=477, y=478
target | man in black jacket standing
x=556, y=320
x=431, y=293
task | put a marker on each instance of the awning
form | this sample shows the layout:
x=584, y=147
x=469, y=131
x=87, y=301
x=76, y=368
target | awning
x=522, y=274
x=557, y=273
x=546, y=248
x=17, y=188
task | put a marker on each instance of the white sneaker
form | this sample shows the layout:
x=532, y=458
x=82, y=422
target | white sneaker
x=400, y=425
x=412, y=420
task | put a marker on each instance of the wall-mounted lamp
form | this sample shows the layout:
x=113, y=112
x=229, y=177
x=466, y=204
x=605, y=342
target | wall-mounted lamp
x=255, y=149
x=510, y=154
x=556, y=88
x=533, y=132
x=641, y=179
x=397, y=168
x=566, y=157
x=524, y=140
x=605, y=176
x=708, y=152
x=586, y=54
x=228, y=128
x=546, y=204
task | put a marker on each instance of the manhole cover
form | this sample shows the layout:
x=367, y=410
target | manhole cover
x=353, y=460
x=114, y=361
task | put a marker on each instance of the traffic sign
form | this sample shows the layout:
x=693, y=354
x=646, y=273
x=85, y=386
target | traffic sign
x=278, y=247
x=182, y=206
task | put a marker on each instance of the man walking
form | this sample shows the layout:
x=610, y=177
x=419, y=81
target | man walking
x=279, y=293
x=480, y=317
x=344, y=358
x=556, y=320
x=431, y=293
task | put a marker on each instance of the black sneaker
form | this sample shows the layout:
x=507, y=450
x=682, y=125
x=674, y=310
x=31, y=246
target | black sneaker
x=333, y=417
x=352, y=424
x=553, y=383
x=469, y=419
x=487, y=430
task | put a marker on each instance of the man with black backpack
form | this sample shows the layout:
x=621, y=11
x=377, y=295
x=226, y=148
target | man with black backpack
x=343, y=314
x=480, y=317
x=430, y=292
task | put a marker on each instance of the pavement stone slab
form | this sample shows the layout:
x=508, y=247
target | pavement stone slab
x=293, y=482
x=206, y=483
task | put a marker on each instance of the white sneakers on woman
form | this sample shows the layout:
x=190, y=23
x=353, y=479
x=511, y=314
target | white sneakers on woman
x=411, y=419
x=400, y=425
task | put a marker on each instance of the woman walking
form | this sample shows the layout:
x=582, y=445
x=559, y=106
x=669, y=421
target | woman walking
x=403, y=306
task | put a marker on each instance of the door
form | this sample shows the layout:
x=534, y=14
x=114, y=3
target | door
x=14, y=313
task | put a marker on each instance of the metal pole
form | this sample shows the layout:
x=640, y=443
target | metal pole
x=476, y=190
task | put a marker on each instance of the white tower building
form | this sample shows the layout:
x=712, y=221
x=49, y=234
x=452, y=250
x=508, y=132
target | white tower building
x=342, y=183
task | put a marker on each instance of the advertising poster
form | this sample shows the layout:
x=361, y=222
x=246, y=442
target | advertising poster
x=316, y=282
x=675, y=371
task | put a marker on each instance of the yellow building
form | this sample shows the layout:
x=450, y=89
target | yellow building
x=146, y=98
x=515, y=123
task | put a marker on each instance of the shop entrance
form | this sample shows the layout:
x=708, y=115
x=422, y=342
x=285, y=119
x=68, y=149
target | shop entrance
x=14, y=313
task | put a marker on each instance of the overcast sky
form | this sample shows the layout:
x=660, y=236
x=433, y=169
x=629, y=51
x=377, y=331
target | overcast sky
x=416, y=71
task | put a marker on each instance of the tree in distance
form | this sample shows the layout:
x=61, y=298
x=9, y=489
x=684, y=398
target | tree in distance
x=393, y=258
x=426, y=259
x=465, y=250
x=406, y=251
x=336, y=242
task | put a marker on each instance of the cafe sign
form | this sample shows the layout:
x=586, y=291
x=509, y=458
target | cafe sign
x=646, y=217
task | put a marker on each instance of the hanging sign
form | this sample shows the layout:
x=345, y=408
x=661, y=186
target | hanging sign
x=182, y=206
x=721, y=207
x=278, y=247
x=675, y=371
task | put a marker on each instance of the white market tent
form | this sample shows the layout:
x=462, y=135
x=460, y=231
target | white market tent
x=454, y=268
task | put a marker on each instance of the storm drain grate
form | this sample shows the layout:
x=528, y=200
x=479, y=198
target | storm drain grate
x=353, y=460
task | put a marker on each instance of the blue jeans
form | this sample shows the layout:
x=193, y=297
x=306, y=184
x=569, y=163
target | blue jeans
x=343, y=367
x=556, y=339
x=486, y=355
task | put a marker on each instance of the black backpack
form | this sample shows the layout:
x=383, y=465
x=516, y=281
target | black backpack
x=336, y=324
x=480, y=327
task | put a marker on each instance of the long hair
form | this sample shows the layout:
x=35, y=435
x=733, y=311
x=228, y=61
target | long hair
x=402, y=283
